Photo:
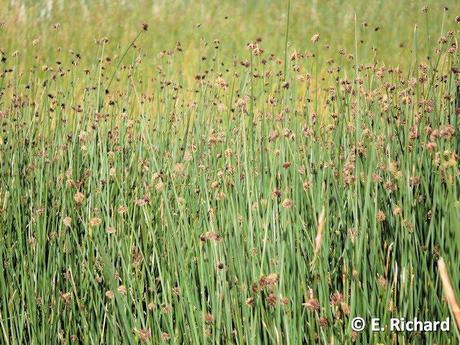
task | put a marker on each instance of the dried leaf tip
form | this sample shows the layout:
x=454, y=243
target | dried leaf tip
x=319, y=233
x=449, y=291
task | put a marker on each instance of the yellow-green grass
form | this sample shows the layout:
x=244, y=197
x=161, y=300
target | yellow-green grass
x=282, y=169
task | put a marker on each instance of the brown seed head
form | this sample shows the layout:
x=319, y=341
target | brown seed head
x=95, y=222
x=287, y=203
x=336, y=298
x=165, y=336
x=250, y=302
x=144, y=335
x=323, y=322
x=315, y=38
x=208, y=318
x=67, y=221
x=272, y=300
x=312, y=304
x=79, y=197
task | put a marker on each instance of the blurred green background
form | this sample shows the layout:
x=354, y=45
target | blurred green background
x=385, y=26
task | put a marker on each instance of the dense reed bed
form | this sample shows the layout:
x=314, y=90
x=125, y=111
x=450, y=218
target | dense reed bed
x=238, y=173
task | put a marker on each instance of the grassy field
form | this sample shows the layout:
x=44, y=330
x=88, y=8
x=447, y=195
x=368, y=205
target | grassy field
x=228, y=172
